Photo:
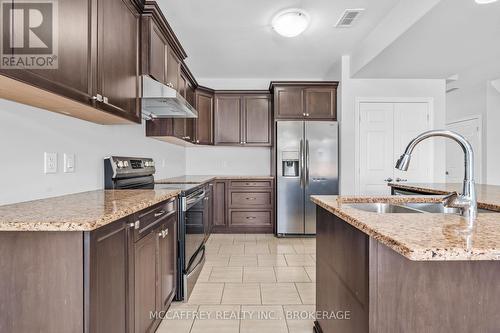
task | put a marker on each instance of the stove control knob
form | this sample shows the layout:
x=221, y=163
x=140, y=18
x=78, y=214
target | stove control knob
x=147, y=163
x=152, y=163
x=125, y=164
x=120, y=164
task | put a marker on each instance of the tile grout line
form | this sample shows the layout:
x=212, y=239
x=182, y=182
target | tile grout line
x=296, y=288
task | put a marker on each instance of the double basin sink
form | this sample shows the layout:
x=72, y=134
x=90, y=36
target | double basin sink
x=409, y=207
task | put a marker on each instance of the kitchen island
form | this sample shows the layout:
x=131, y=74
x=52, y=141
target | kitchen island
x=95, y=261
x=409, y=271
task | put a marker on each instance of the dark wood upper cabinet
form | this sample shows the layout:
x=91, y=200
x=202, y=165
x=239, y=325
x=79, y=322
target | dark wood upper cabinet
x=228, y=120
x=243, y=119
x=204, y=104
x=320, y=103
x=305, y=100
x=154, y=50
x=173, y=69
x=257, y=120
x=289, y=102
x=117, y=58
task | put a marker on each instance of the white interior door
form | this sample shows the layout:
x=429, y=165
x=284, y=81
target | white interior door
x=411, y=119
x=471, y=130
x=385, y=129
x=376, y=147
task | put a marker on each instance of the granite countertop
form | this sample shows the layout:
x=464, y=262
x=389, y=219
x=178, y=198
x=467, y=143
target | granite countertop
x=420, y=237
x=488, y=196
x=196, y=179
x=79, y=212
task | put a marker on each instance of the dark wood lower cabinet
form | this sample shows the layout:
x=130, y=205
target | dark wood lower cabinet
x=243, y=206
x=99, y=281
x=382, y=291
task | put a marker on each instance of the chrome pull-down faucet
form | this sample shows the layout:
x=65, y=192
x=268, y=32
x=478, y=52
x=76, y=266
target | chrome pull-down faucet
x=467, y=200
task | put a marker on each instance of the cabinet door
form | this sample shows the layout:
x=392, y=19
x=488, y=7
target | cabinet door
x=204, y=122
x=219, y=204
x=117, y=70
x=190, y=94
x=167, y=263
x=179, y=128
x=145, y=282
x=182, y=85
x=257, y=120
x=72, y=77
x=228, y=120
x=109, y=278
x=289, y=102
x=320, y=103
x=173, y=69
x=156, y=55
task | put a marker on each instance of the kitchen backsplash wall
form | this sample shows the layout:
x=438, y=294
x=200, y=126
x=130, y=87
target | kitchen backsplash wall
x=27, y=132
x=231, y=161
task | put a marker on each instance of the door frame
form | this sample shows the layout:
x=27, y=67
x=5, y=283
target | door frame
x=479, y=154
x=357, y=114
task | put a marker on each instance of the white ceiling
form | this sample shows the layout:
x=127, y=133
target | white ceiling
x=454, y=36
x=234, y=39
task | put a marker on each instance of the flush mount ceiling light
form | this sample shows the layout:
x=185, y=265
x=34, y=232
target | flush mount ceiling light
x=483, y=2
x=290, y=22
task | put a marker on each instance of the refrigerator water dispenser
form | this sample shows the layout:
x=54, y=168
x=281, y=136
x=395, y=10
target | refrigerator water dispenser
x=290, y=164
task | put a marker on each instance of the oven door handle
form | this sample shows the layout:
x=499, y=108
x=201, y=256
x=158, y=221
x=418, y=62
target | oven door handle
x=191, y=201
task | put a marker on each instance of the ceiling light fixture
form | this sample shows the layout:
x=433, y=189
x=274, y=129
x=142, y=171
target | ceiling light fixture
x=483, y=2
x=290, y=22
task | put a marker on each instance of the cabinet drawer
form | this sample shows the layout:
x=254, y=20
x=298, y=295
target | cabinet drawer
x=148, y=219
x=251, y=183
x=250, y=199
x=249, y=218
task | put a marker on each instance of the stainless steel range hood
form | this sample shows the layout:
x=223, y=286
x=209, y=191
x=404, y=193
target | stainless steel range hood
x=162, y=101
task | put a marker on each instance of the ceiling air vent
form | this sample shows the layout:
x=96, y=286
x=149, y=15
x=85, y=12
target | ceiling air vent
x=349, y=17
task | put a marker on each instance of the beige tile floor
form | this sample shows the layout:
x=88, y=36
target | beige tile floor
x=250, y=283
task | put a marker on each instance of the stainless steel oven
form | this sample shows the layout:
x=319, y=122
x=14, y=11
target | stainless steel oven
x=193, y=228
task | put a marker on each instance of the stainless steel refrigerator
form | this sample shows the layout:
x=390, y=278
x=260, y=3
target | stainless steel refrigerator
x=307, y=164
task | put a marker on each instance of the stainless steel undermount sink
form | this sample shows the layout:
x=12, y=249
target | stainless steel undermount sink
x=382, y=208
x=409, y=207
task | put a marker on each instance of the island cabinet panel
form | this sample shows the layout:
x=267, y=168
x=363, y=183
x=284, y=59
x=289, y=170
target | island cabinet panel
x=167, y=262
x=41, y=282
x=242, y=119
x=110, y=278
x=382, y=291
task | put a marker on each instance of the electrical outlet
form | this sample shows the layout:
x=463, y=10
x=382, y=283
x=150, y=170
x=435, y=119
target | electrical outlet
x=69, y=163
x=50, y=162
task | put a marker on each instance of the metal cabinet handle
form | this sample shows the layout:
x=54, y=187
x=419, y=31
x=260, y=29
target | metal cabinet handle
x=169, y=84
x=160, y=213
x=251, y=198
x=197, y=141
x=401, y=180
x=388, y=180
x=98, y=97
x=303, y=114
x=251, y=217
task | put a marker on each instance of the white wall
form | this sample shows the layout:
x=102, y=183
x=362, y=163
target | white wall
x=230, y=161
x=492, y=135
x=27, y=132
x=353, y=88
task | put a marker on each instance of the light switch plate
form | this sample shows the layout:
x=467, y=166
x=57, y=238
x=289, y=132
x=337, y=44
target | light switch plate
x=50, y=162
x=69, y=163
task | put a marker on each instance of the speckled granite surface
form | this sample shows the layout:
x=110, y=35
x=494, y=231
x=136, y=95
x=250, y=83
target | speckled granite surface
x=488, y=196
x=195, y=179
x=421, y=237
x=78, y=212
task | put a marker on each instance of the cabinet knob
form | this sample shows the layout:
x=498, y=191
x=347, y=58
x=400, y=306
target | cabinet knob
x=307, y=114
x=388, y=180
x=169, y=84
x=197, y=141
x=98, y=97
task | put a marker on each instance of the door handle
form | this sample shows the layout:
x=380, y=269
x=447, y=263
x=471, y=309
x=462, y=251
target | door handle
x=307, y=164
x=301, y=162
x=388, y=180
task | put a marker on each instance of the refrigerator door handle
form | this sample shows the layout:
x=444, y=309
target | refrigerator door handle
x=307, y=164
x=301, y=163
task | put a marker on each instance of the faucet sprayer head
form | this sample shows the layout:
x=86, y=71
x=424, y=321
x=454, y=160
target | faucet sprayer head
x=404, y=162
